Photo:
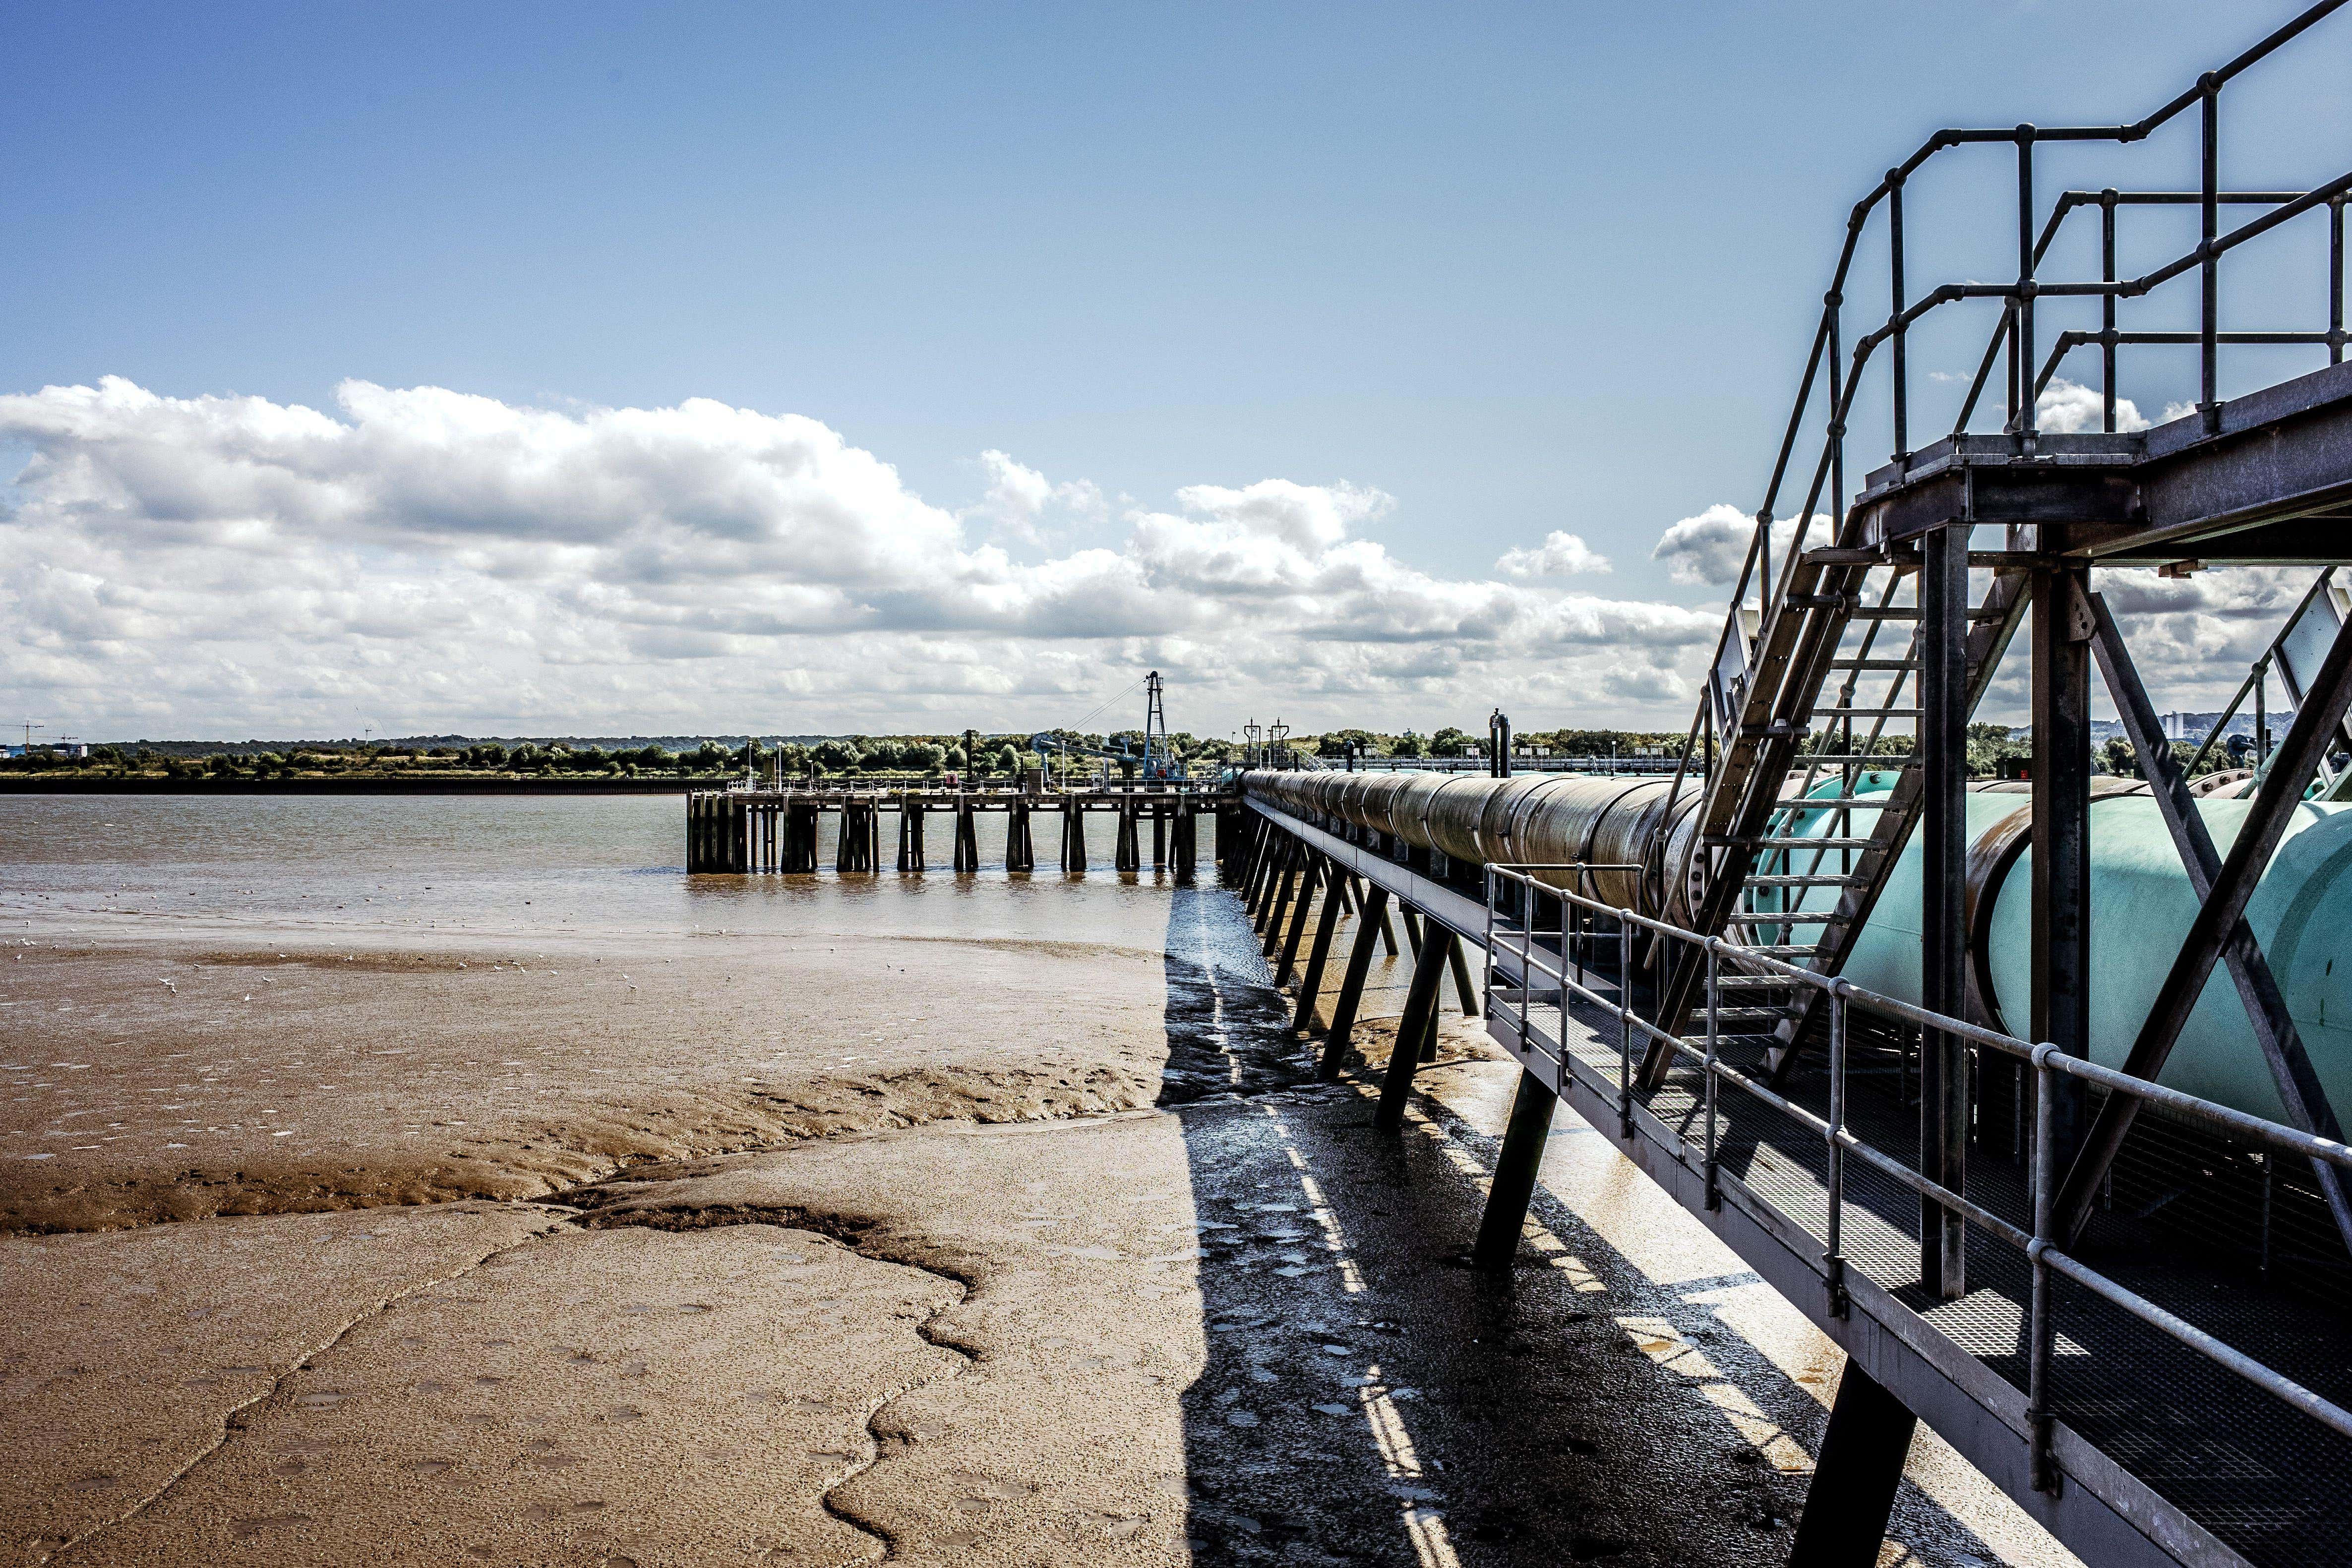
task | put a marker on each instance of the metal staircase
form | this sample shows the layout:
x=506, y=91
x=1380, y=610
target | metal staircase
x=1815, y=719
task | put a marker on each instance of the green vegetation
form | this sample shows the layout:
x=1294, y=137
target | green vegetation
x=880, y=758
x=1993, y=752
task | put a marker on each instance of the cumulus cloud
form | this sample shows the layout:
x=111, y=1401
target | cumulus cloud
x=1559, y=556
x=2063, y=408
x=422, y=558
x=1019, y=498
x=1710, y=547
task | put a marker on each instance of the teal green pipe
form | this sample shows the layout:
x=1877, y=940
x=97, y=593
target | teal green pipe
x=2141, y=907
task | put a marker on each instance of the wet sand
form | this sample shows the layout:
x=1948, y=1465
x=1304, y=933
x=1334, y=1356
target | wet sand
x=976, y=1229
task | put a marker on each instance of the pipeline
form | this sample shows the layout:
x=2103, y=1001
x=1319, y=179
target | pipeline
x=2140, y=904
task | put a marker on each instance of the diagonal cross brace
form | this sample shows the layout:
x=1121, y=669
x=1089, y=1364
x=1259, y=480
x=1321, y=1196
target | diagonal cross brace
x=2219, y=930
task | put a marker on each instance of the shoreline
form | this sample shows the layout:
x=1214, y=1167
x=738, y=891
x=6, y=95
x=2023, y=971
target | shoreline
x=36, y=783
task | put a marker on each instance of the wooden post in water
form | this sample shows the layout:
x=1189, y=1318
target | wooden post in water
x=1188, y=826
x=1020, y=848
x=910, y=834
x=1159, y=836
x=1073, y=834
x=800, y=837
x=967, y=836
x=1126, y=852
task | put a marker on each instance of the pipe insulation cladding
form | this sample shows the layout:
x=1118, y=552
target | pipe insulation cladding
x=2140, y=900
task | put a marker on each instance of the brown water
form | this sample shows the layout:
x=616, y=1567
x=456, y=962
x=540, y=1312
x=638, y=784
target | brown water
x=256, y=1003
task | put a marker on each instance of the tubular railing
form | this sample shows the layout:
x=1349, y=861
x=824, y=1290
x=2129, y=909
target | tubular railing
x=1514, y=897
x=2016, y=327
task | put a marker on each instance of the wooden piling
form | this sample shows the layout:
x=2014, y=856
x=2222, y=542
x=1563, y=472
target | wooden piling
x=910, y=834
x=1073, y=835
x=1159, y=836
x=967, y=836
x=800, y=837
x=1020, y=848
x=1125, y=851
x=1188, y=826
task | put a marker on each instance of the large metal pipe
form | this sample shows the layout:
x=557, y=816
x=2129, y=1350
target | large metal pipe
x=2140, y=900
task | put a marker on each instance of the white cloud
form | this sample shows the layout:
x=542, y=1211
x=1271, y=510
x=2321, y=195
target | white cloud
x=1559, y=556
x=2064, y=408
x=1710, y=547
x=423, y=559
x=1019, y=498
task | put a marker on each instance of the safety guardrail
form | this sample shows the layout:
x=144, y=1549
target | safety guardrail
x=1518, y=952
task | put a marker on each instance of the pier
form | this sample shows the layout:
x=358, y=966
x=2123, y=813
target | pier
x=779, y=830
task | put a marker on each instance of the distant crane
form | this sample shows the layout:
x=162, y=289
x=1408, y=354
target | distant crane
x=1157, y=760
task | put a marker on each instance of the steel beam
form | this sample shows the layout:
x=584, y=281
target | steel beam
x=1326, y=923
x=1419, y=1011
x=1852, y=1494
x=2061, y=1005
x=1943, y=944
x=1278, y=900
x=1515, y=1168
x=1375, y=905
x=2219, y=930
x=1310, y=880
x=1459, y=962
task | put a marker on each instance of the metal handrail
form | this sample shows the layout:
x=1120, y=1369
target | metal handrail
x=2039, y=1245
x=2017, y=322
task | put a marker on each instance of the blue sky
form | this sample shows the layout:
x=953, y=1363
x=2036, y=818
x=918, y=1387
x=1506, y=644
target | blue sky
x=1519, y=269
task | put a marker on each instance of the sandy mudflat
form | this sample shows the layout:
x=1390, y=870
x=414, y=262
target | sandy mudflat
x=954, y=1221
x=285, y=1075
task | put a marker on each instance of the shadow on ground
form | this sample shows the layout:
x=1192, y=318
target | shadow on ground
x=1368, y=1398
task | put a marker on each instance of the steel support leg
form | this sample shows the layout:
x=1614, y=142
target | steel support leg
x=2061, y=835
x=1854, y=1486
x=1310, y=986
x=1514, y=1186
x=1944, y=830
x=1459, y=963
x=1307, y=884
x=1278, y=904
x=1271, y=861
x=1420, y=1010
x=1375, y=908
